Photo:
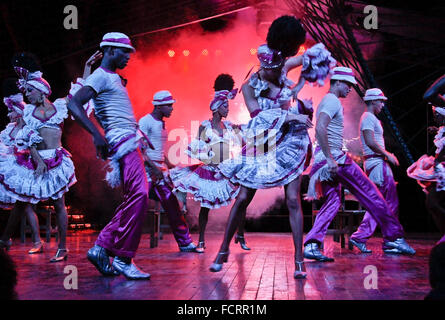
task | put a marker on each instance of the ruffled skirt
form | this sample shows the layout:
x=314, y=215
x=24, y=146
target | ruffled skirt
x=17, y=175
x=283, y=161
x=205, y=184
x=426, y=172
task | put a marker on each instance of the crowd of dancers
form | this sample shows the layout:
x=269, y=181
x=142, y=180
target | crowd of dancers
x=274, y=150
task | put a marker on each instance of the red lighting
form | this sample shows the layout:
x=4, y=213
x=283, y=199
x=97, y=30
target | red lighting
x=218, y=52
x=302, y=50
x=186, y=53
x=252, y=51
x=171, y=53
x=205, y=52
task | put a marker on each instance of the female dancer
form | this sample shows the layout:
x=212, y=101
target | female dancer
x=268, y=97
x=13, y=99
x=430, y=173
x=41, y=169
x=215, y=138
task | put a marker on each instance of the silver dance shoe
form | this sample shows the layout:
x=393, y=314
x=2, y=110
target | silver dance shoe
x=361, y=246
x=401, y=245
x=191, y=247
x=98, y=256
x=311, y=251
x=129, y=269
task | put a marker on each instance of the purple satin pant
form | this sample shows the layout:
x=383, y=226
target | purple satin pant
x=354, y=179
x=121, y=236
x=389, y=191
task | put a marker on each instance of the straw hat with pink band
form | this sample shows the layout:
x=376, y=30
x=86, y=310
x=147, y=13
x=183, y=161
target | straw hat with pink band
x=374, y=94
x=117, y=39
x=343, y=74
x=15, y=103
x=163, y=97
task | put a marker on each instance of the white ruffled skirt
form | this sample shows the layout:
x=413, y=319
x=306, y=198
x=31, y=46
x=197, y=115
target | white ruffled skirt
x=17, y=175
x=205, y=184
x=282, y=162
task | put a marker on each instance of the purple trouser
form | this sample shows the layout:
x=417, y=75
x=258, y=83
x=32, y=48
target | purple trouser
x=176, y=219
x=355, y=180
x=389, y=191
x=121, y=236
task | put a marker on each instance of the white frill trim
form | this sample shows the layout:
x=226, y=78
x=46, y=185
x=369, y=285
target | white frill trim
x=264, y=125
x=58, y=118
x=25, y=186
x=212, y=194
x=317, y=64
x=27, y=137
x=439, y=139
x=76, y=86
x=113, y=175
x=199, y=150
x=5, y=135
x=260, y=85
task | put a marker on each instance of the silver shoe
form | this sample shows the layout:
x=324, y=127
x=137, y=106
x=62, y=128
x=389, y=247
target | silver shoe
x=191, y=247
x=392, y=251
x=401, y=245
x=360, y=245
x=129, y=269
x=98, y=256
x=221, y=258
x=311, y=251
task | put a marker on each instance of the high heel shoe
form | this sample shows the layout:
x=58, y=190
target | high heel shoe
x=37, y=248
x=300, y=272
x=5, y=244
x=223, y=257
x=201, y=247
x=241, y=241
x=61, y=254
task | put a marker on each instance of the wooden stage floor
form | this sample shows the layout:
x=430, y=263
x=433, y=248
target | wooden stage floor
x=264, y=273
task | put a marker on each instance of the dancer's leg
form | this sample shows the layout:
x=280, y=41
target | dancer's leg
x=293, y=203
x=33, y=221
x=434, y=204
x=62, y=221
x=121, y=236
x=203, y=218
x=331, y=196
x=244, y=198
x=176, y=219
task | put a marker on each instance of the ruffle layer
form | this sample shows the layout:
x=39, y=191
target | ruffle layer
x=203, y=182
x=317, y=64
x=20, y=180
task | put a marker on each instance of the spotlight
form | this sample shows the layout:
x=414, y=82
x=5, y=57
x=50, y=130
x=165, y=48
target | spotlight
x=253, y=51
x=171, y=53
x=302, y=50
x=205, y=52
x=186, y=53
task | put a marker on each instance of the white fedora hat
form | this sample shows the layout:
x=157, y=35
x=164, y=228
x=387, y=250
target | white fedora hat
x=374, y=94
x=117, y=39
x=344, y=74
x=163, y=97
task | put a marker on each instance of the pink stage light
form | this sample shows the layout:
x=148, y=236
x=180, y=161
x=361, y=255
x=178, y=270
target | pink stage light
x=186, y=53
x=171, y=53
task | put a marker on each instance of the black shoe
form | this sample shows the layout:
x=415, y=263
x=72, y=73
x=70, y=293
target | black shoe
x=241, y=241
x=99, y=258
x=311, y=251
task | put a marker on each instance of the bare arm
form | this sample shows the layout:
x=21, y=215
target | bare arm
x=368, y=135
x=41, y=165
x=75, y=106
x=434, y=93
x=292, y=63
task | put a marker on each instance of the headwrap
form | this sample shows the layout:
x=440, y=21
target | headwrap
x=222, y=97
x=15, y=103
x=269, y=58
x=33, y=79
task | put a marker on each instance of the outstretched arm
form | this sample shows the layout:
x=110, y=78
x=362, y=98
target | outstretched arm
x=75, y=106
x=292, y=63
x=434, y=93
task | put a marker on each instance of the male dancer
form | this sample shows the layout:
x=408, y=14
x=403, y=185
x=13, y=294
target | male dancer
x=333, y=167
x=376, y=167
x=157, y=165
x=114, y=112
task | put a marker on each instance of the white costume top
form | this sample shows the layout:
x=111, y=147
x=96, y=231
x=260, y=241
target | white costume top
x=331, y=106
x=155, y=131
x=112, y=105
x=369, y=121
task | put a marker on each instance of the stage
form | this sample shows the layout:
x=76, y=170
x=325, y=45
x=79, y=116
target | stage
x=264, y=273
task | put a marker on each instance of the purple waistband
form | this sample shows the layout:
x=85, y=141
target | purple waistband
x=25, y=160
